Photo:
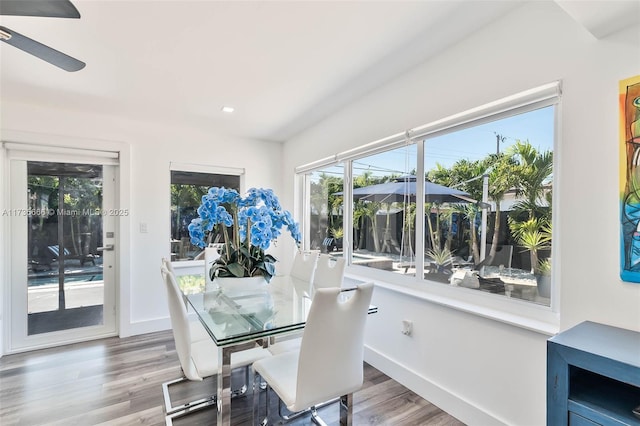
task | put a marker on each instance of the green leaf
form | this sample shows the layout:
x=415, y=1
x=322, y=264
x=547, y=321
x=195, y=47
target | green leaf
x=244, y=251
x=236, y=269
x=270, y=268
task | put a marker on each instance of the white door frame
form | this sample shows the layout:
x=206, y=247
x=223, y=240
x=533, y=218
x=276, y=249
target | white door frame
x=49, y=144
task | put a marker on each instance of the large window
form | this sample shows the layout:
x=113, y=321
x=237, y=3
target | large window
x=384, y=210
x=499, y=238
x=324, y=230
x=481, y=182
x=187, y=189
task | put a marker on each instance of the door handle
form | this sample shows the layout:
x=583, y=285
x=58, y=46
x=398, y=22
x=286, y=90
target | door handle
x=108, y=247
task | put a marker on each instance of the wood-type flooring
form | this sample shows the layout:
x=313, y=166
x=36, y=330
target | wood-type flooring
x=118, y=382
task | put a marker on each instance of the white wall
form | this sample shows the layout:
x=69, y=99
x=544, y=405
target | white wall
x=3, y=222
x=480, y=370
x=152, y=147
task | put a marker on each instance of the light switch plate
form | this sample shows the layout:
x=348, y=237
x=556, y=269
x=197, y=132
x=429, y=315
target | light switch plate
x=407, y=327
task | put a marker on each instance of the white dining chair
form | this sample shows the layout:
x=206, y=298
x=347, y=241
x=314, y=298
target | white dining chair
x=329, y=364
x=167, y=264
x=302, y=271
x=329, y=271
x=304, y=265
x=197, y=330
x=198, y=358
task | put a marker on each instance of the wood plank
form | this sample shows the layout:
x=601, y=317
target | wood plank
x=118, y=382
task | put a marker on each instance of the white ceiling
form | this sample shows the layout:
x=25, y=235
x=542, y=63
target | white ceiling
x=603, y=18
x=282, y=65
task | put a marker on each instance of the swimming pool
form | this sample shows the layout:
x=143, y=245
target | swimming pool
x=69, y=279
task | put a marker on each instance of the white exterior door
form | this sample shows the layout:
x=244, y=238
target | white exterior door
x=64, y=237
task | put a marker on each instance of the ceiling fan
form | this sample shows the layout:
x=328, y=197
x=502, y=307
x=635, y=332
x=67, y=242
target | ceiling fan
x=43, y=8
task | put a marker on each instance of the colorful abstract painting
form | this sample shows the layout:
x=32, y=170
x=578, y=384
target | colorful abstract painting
x=629, y=100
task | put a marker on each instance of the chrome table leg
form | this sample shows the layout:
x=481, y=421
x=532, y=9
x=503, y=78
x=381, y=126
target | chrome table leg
x=346, y=410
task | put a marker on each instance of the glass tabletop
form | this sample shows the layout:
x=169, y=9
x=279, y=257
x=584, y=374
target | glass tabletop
x=233, y=317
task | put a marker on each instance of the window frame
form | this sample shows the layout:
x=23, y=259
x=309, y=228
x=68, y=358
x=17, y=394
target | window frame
x=208, y=169
x=522, y=313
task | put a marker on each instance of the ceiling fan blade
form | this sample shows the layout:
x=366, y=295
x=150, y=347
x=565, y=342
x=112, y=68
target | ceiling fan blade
x=46, y=8
x=43, y=52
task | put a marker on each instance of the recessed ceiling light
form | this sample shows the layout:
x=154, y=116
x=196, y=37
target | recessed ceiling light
x=228, y=109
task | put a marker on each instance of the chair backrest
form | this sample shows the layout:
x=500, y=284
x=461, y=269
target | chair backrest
x=331, y=352
x=304, y=265
x=302, y=271
x=55, y=251
x=329, y=272
x=180, y=325
x=167, y=264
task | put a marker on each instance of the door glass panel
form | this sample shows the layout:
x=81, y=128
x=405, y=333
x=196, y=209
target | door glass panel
x=65, y=284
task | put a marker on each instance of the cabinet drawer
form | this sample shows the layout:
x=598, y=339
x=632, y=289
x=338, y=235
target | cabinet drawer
x=578, y=420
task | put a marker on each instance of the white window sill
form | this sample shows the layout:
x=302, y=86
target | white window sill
x=187, y=267
x=516, y=312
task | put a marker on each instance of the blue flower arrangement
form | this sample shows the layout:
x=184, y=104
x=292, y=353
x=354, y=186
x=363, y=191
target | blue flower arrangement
x=248, y=226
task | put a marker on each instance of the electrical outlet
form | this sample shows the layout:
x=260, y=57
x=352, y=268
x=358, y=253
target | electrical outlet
x=143, y=227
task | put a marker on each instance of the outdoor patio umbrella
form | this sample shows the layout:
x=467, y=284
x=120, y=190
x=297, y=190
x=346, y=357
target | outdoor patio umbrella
x=404, y=189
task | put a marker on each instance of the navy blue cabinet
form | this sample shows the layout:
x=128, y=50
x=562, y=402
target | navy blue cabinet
x=593, y=376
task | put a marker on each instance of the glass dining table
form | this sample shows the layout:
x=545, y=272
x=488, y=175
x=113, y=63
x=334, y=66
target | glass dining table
x=243, y=319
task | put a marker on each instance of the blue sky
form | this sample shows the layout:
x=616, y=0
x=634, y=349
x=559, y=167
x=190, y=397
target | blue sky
x=477, y=142
x=473, y=143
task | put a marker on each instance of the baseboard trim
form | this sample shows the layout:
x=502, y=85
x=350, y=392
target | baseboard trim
x=444, y=399
x=151, y=326
x=144, y=327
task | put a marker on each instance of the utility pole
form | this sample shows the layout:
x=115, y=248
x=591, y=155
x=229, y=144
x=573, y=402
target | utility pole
x=483, y=226
x=499, y=138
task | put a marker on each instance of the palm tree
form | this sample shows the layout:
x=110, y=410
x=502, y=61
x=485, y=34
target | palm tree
x=319, y=203
x=408, y=223
x=332, y=185
x=533, y=235
x=467, y=176
x=370, y=210
x=446, y=177
x=434, y=231
x=367, y=209
x=535, y=171
x=471, y=213
x=502, y=177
